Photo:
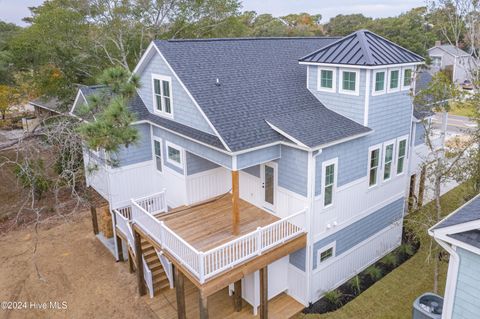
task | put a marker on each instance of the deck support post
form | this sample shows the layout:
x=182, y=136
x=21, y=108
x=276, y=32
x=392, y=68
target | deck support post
x=203, y=305
x=138, y=255
x=264, y=292
x=235, y=203
x=130, y=262
x=93, y=211
x=237, y=295
x=119, y=248
x=180, y=292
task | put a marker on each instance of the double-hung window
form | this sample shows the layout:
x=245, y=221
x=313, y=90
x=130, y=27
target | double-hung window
x=326, y=80
x=162, y=94
x=407, y=78
x=388, y=161
x=329, y=181
x=174, y=155
x=401, y=155
x=394, y=84
x=349, y=82
x=157, y=152
x=379, y=86
x=374, y=161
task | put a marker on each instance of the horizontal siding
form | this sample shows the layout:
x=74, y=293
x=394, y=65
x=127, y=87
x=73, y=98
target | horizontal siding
x=138, y=152
x=253, y=170
x=197, y=164
x=260, y=156
x=292, y=170
x=298, y=259
x=466, y=303
x=184, y=109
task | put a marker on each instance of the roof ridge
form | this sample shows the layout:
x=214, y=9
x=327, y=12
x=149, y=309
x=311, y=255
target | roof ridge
x=248, y=39
x=340, y=40
x=362, y=39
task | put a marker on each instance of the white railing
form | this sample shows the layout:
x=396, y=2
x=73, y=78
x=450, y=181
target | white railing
x=124, y=225
x=153, y=204
x=147, y=275
x=125, y=212
x=167, y=266
x=204, y=265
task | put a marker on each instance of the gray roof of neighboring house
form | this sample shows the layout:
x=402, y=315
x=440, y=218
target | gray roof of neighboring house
x=451, y=49
x=314, y=127
x=363, y=48
x=137, y=106
x=260, y=79
x=50, y=104
x=467, y=213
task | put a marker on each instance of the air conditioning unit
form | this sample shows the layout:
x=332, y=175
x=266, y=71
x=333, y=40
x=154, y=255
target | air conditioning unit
x=428, y=306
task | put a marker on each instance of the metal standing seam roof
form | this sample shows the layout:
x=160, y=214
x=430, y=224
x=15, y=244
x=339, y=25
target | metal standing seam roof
x=363, y=48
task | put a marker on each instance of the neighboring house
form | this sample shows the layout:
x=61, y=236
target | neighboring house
x=447, y=56
x=301, y=146
x=459, y=235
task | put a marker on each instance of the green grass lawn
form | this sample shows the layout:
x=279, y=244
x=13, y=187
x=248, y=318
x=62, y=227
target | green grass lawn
x=466, y=109
x=392, y=296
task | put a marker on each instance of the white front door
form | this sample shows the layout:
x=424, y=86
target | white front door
x=269, y=185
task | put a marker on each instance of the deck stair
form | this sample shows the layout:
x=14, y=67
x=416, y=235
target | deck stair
x=160, y=280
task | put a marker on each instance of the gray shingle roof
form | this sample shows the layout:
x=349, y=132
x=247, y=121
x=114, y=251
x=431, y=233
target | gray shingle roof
x=467, y=213
x=141, y=112
x=51, y=104
x=363, y=48
x=314, y=127
x=260, y=79
x=471, y=237
x=451, y=49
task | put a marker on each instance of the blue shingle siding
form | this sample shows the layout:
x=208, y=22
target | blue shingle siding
x=419, y=134
x=197, y=164
x=467, y=292
x=253, y=170
x=138, y=152
x=195, y=148
x=298, y=259
x=350, y=106
x=184, y=109
x=361, y=230
x=292, y=170
x=259, y=156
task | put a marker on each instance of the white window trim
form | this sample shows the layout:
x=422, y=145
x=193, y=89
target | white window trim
x=155, y=110
x=154, y=157
x=379, y=167
x=332, y=245
x=334, y=80
x=357, y=82
x=385, y=80
x=335, y=174
x=389, y=90
x=393, y=167
x=405, y=161
x=441, y=60
x=407, y=87
x=170, y=144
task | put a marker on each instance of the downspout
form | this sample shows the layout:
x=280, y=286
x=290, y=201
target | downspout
x=451, y=285
x=311, y=170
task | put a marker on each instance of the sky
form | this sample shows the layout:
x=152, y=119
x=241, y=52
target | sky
x=15, y=10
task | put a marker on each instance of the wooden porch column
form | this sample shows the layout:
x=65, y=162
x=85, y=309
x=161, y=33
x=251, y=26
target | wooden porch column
x=93, y=211
x=235, y=203
x=237, y=296
x=203, y=305
x=119, y=248
x=180, y=292
x=130, y=262
x=138, y=255
x=264, y=292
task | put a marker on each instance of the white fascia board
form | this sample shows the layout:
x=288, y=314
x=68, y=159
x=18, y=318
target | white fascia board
x=452, y=213
x=286, y=135
x=457, y=243
x=368, y=67
x=343, y=140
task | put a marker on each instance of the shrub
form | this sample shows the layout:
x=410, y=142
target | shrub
x=374, y=272
x=390, y=260
x=333, y=298
x=354, y=285
x=406, y=249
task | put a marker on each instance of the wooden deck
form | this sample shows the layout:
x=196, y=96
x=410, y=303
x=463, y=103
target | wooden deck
x=209, y=225
x=220, y=305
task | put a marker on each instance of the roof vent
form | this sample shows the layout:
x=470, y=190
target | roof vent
x=438, y=43
x=217, y=83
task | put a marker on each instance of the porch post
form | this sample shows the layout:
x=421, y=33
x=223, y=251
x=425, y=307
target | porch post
x=138, y=255
x=237, y=296
x=203, y=305
x=235, y=203
x=119, y=248
x=130, y=262
x=93, y=211
x=264, y=292
x=180, y=293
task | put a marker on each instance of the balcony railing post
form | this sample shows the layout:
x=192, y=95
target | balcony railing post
x=164, y=199
x=201, y=267
x=162, y=234
x=259, y=240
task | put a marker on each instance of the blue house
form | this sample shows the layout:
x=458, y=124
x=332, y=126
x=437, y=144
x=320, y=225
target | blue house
x=268, y=165
x=459, y=235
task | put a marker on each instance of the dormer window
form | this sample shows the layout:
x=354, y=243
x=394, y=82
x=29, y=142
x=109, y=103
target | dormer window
x=162, y=94
x=349, y=82
x=326, y=80
x=379, y=85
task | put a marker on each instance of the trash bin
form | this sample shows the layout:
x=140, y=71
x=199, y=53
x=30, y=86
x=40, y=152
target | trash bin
x=428, y=306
